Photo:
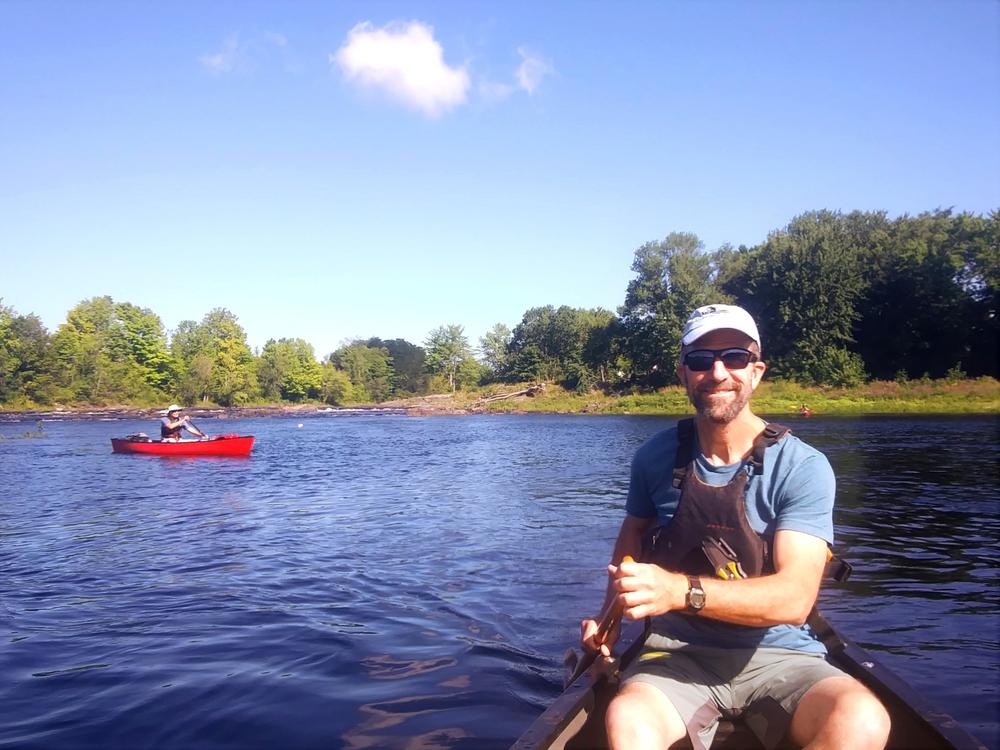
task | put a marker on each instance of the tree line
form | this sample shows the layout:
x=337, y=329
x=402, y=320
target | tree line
x=839, y=298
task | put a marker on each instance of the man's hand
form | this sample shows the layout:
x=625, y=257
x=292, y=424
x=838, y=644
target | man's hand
x=649, y=590
x=588, y=637
x=602, y=635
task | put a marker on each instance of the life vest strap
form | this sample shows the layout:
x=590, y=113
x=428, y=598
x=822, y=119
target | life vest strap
x=685, y=450
x=773, y=432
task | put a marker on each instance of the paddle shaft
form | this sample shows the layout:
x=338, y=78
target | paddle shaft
x=192, y=424
x=611, y=617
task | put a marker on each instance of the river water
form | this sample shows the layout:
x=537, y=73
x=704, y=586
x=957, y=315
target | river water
x=382, y=581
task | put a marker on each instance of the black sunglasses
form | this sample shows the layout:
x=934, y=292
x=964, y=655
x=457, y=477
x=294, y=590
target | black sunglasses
x=702, y=360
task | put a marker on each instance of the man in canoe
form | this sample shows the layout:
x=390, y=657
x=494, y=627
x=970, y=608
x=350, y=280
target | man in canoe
x=727, y=496
x=171, y=426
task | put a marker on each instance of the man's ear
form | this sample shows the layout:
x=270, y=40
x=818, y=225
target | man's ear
x=682, y=374
x=759, y=368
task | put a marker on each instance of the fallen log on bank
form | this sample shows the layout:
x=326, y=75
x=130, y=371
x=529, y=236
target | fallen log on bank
x=530, y=391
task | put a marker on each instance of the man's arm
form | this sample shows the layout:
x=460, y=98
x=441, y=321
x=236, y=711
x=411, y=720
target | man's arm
x=784, y=597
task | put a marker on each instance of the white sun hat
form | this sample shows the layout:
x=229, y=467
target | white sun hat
x=717, y=317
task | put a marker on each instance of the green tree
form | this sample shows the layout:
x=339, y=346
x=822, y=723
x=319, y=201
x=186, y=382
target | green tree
x=471, y=372
x=287, y=369
x=495, y=349
x=803, y=286
x=9, y=360
x=214, y=360
x=447, y=348
x=33, y=350
x=981, y=278
x=567, y=345
x=234, y=379
x=369, y=369
x=673, y=277
x=84, y=365
x=534, y=352
x=932, y=297
x=335, y=387
x=409, y=373
x=603, y=353
x=25, y=362
x=193, y=357
x=111, y=353
x=139, y=337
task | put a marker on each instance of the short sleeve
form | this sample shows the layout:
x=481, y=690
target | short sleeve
x=807, y=498
x=640, y=501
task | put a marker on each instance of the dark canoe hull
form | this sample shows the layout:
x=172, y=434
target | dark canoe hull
x=220, y=446
x=575, y=720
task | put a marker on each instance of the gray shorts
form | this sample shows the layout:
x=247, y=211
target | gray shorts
x=762, y=685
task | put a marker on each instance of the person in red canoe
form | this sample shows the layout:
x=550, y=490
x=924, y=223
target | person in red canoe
x=172, y=425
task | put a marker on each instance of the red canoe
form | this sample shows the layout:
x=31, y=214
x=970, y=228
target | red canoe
x=224, y=445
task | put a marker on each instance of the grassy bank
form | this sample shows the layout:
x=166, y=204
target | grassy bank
x=980, y=396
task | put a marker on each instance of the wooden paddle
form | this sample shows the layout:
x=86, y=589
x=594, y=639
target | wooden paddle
x=203, y=433
x=611, y=617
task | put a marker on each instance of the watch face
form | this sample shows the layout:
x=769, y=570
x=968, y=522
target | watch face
x=695, y=595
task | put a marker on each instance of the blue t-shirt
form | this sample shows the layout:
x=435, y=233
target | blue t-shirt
x=795, y=492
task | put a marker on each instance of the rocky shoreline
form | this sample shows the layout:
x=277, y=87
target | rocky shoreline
x=421, y=406
x=436, y=404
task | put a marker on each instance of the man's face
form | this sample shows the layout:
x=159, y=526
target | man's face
x=720, y=394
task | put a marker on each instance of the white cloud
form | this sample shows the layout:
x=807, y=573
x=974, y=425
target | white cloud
x=245, y=55
x=491, y=92
x=224, y=61
x=404, y=61
x=532, y=70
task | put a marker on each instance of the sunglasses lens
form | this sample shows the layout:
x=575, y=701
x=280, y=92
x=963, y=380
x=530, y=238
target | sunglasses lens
x=736, y=359
x=699, y=361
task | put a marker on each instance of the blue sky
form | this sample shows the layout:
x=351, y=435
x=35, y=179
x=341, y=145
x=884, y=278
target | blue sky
x=338, y=170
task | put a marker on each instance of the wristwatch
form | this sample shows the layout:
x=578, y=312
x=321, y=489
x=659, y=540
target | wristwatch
x=695, y=598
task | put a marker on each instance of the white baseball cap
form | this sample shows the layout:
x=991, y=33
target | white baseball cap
x=716, y=317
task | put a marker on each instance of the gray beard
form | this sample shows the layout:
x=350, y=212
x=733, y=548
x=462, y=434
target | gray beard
x=720, y=413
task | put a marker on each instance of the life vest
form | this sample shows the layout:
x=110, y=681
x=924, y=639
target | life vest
x=168, y=434
x=710, y=533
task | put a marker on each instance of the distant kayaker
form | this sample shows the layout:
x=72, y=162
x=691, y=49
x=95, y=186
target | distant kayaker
x=730, y=518
x=172, y=425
